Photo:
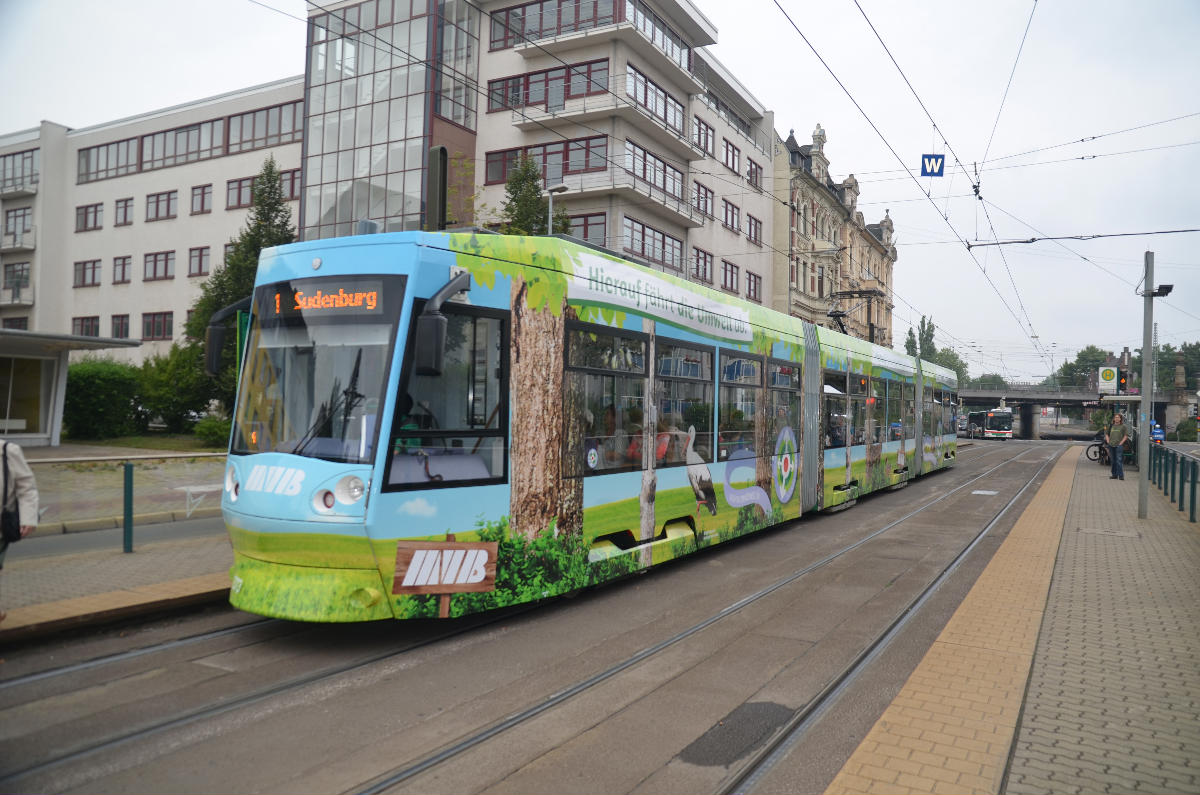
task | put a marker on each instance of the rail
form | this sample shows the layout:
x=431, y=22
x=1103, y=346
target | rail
x=1177, y=475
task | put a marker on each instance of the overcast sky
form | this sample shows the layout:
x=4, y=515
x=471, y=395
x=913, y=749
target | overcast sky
x=1086, y=68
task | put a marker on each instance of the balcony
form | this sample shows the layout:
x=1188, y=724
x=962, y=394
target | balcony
x=17, y=295
x=625, y=32
x=19, y=240
x=655, y=133
x=619, y=182
x=18, y=187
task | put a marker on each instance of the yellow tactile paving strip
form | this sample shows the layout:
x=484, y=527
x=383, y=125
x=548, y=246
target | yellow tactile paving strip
x=950, y=727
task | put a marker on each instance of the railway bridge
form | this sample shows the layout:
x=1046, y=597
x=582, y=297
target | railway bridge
x=1027, y=400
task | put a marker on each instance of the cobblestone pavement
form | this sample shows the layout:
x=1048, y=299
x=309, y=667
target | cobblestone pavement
x=1113, y=701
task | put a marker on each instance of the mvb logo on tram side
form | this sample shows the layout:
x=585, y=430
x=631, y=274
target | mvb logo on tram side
x=424, y=567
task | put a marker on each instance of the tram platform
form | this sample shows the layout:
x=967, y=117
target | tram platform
x=1073, y=665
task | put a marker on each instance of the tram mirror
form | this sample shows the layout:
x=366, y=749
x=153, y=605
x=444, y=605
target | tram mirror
x=431, y=343
x=214, y=340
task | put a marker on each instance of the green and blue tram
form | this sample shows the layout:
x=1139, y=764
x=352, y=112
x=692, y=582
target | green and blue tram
x=435, y=424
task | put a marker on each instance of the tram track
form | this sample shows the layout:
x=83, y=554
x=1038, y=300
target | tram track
x=799, y=722
x=193, y=717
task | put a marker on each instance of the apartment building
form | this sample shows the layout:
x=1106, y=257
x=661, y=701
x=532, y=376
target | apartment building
x=108, y=231
x=658, y=151
x=829, y=260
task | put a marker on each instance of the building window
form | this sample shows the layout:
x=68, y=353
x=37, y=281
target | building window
x=89, y=217
x=729, y=276
x=121, y=269
x=108, y=160
x=120, y=327
x=229, y=247
x=17, y=323
x=160, y=265
x=239, y=193
x=201, y=199
x=161, y=206
x=702, y=265
x=198, y=261
x=656, y=101
x=86, y=326
x=554, y=160
x=754, y=287
x=589, y=228
x=16, y=222
x=16, y=275
x=653, y=169
x=731, y=215
x=87, y=273
x=754, y=173
x=19, y=169
x=511, y=26
x=652, y=244
x=731, y=156
x=289, y=185
x=754, y=229
x=188, y=144
x=702, y=199
x=156, y=325
x=123, y=212
x=536, y=88
x=703, y=135
x=281, y=124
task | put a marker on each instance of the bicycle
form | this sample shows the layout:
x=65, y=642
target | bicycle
x=1098, y=451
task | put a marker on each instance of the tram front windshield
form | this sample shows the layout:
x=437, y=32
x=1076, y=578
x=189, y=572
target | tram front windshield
x=316, y=365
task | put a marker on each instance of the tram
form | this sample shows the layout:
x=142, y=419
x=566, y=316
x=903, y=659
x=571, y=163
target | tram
x=436, y=424
x=994, y=423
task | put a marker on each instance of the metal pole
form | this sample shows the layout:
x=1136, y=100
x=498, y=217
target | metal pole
x=128, y=507
x=1143, y=441
x=550, y=215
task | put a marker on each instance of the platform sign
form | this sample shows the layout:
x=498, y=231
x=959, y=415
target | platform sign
x=1108, y=380
x=933, y=165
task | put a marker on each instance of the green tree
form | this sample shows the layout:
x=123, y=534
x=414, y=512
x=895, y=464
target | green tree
x=268, y=223
x=910, y=343
x=990, y=381
x=946, y=357
x=175, y=388
x=1087, y=362
x=525, y=207
x=925, y=345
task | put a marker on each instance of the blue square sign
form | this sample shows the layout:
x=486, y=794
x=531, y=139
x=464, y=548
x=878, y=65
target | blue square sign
x=932, y=165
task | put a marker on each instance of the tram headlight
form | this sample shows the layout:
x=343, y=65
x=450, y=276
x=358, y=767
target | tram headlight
x=232, y=487
x=323, y=501
x=350, y=489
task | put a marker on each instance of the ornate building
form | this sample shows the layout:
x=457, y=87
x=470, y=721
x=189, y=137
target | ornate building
x=828, y=259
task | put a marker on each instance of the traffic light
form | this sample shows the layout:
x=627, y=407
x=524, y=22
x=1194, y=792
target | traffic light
x=1122, y=386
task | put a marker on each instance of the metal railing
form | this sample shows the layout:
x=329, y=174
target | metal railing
x=1177, y=475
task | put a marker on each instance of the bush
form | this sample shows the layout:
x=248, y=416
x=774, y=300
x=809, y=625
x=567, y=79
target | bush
x=213, y=430
x=1186, y=430
x=103, y=400
x=175, y=387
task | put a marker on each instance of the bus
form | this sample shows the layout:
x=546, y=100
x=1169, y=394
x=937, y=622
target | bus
x=437, y=424
x=991, y=424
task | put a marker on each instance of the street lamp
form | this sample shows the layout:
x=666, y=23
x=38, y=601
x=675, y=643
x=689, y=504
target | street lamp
x=553, y=189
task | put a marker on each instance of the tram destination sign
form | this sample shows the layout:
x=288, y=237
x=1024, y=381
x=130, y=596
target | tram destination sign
x=325, y=296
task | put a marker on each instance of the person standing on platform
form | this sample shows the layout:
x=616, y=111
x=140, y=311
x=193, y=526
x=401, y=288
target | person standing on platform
x=1115, y=439
x=20, y=494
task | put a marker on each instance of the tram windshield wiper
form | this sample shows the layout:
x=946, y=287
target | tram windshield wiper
x=349, y=399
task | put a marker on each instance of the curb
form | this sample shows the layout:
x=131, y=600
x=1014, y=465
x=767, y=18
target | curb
x=111, y=522
x=38, y=621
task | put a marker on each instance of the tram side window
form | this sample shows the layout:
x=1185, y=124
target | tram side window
x=895, y=403
x=683, y=393
x=834, y=415
x=603, y=394
x=928, y=408
x=783, y=378
x=741, y=391
x=950, y=425
x=877, y=424
x=858, y=409
x=451, y=428
x=910, y=410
